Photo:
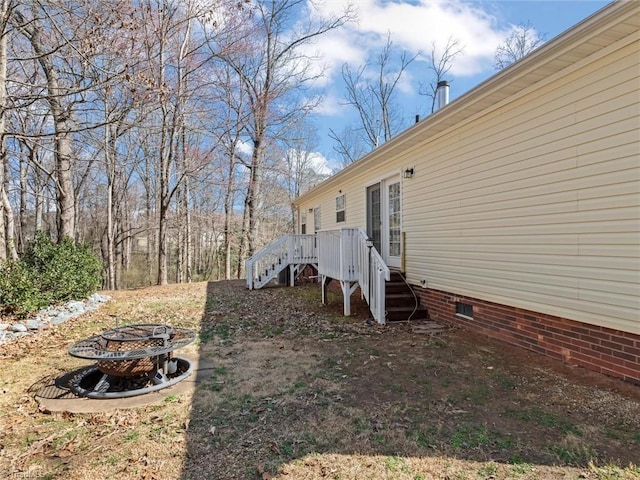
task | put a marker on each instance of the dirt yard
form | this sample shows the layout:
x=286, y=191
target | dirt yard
x=299, y=392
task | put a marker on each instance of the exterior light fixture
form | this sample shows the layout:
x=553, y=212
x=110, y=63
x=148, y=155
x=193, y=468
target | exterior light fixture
x=408, y=173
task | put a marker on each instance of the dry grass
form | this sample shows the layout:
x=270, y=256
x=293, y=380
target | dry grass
x=299, y=392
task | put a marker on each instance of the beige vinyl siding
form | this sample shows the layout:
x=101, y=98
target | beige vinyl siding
x=354, y=188
x=536, y=204
x=532, y=202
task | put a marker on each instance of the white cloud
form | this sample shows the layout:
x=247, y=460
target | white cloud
x=330, y=104
x=319, y=163
x=245, y=147
x=332, y=51
x=414, y=27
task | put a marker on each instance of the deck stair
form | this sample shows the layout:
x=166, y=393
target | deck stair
x=287, y=251
x=401, y=303
x=345, y=255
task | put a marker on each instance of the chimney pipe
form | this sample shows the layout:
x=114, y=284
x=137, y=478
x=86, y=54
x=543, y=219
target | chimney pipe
x=417, y=118
x=442, y=92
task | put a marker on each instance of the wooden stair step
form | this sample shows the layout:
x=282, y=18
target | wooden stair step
x=396, y=314
x=400, y=299
x=396, y=287
x=396, y=276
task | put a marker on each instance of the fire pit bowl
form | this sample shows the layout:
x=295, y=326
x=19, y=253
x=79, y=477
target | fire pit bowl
x=132, y=360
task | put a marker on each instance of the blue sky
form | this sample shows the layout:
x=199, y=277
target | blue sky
x=414, y=26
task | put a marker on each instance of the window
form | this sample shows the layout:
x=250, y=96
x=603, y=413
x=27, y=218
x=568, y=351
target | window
x=340, y=209
x=464, y=309
x=303, y=222
x=316, y=219
x=395, y=240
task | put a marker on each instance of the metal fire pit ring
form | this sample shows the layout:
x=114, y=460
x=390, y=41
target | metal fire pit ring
x=97, y=347
x=132, y=360
x=85, y=384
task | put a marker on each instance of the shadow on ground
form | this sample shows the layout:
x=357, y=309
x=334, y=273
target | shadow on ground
x=298, y=391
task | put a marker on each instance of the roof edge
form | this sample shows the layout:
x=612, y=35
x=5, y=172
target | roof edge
x=550, y=50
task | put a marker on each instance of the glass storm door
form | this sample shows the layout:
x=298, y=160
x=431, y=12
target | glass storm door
x=384, y=219
x=374, y=216
x=393, y=224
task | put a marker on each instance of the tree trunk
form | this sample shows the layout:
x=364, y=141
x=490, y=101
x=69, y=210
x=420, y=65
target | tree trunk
x=253, y=194
x=10, y=225
x=188, y=244
x=109, y=164
x=65, y=195
x=4, y=12
x=228, y=216
x=162, y=245
x=24, y=175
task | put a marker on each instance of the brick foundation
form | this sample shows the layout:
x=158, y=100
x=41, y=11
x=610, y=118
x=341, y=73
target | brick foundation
x=600, y=349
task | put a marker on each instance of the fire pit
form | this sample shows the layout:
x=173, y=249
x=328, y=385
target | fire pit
x=132, y=360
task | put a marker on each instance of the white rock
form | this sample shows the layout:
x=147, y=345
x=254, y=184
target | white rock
x=75, y=307
x=33, y=324
x=97, y=298
x=19, y=327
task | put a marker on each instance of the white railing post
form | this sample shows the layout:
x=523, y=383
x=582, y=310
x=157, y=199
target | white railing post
x=249, y=270
x=279, y=255
x=373, y=274
x=348, y=256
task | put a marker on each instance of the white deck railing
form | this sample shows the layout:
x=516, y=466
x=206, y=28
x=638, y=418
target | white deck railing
x=338, y=254
x=347, y=255
x=262, y=265
x=302, y=249
x=284, y=251
x=373, y=274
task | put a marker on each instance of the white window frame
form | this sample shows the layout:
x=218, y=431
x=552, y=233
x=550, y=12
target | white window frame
x=317, y=219
x=303, y=221
x=341, y=208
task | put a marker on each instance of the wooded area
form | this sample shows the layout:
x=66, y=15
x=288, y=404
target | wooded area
x=171, y=136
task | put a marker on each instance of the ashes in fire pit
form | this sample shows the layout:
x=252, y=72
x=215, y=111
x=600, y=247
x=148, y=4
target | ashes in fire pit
x=132, y=360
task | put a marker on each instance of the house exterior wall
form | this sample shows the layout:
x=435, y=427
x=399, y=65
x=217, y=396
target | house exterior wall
x=536, y=204
x=529, y=205
x=600, y=349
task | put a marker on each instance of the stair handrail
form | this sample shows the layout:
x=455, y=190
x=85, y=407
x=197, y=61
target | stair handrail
x=373, y=274
x=260, y=255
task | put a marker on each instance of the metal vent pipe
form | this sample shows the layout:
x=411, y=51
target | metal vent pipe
x=442, y=92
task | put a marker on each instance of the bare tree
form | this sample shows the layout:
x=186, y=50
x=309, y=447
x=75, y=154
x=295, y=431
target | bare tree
x=439, y=64
x=370, y=90
x=116, y=125
x=348, y=145
x=300, y=169
x=232, y=117
x=7, y=229
x=522, y=40
x=272, y=71
x=167, y=32
x=32, y=29
x=64, y=40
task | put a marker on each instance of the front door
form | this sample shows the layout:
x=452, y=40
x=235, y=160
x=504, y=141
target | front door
x=384, y=219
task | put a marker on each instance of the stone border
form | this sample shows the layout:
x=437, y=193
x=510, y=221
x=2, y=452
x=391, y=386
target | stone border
x=50, y=316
